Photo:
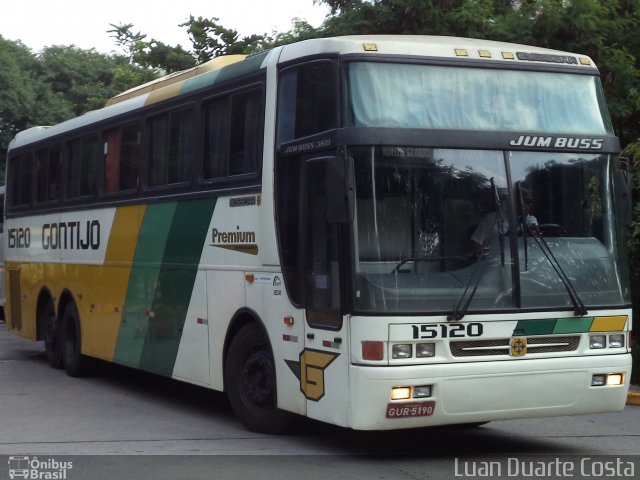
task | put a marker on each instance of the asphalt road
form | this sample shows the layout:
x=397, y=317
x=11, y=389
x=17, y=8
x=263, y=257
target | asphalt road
x=122, y=423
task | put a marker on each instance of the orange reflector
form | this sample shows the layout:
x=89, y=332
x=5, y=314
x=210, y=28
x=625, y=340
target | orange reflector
x=288, y=320
x=249, y=278
x=372, y=350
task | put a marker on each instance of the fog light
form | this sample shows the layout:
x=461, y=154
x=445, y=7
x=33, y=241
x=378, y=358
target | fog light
x=400, y=393
x=403, y=350
x=598, y=380
x=425, y=350
x=422, y=391
x=616, y=341
x=597, y=341
x=614, y=379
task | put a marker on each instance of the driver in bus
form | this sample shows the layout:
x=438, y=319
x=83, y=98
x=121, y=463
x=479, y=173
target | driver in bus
x=487, y=229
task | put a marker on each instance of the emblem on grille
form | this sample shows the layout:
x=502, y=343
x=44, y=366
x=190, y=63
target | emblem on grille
x=518, y=347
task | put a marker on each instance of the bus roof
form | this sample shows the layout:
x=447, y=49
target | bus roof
x=226, y=68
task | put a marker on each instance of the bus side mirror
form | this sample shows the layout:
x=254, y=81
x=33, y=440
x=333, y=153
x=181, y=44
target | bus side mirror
x=624, y=188
x=340, y=189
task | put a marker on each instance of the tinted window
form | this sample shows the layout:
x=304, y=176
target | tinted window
x=81, y=172
x=170, y=150
x=307, y=100
x=232, y=142
x=48, y=164
x=20, y=188
x=121, y=158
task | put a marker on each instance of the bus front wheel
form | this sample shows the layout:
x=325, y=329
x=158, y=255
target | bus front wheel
x=250, y=382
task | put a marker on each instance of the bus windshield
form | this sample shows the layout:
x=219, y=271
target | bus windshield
x=463, y=98
x=443, y=229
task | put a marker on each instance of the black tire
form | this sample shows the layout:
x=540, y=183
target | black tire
x=76, y=364
x=250, y=382
x=52, y=335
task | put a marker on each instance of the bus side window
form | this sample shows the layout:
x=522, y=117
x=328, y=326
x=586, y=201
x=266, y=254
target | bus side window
x=81, y=168
x=232, y=144
x=170, y=147
x=245, y=123
x=216, y=124
x=20, y=190
x=48, y=163
x=308, y=97
x=121, y=158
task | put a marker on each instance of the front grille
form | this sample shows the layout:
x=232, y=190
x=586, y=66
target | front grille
x=485, y=348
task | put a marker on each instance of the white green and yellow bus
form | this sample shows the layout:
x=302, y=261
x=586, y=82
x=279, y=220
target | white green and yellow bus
x=378, y=232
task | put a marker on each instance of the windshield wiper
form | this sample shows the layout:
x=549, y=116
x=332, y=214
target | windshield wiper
x=580, y=308
x=461, y=307
x=523, y=226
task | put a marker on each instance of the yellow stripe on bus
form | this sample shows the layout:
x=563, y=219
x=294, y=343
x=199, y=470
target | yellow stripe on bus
x=608, y=324
x=105, y=307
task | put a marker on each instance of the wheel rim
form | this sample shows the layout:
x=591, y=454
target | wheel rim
x=257, y=379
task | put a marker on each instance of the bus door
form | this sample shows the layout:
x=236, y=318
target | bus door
x=325, y=359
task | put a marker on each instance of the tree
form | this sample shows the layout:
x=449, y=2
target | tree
x=152, y=53
x=26, y=99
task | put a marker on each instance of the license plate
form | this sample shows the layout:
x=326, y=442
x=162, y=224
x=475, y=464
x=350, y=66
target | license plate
x=405, y=410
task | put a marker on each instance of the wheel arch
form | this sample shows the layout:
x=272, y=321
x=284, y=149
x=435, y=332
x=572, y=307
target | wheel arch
x=242, y=317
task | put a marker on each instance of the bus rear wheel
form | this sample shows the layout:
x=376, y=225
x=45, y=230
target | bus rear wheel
x=250, y=382
x=75, y=363
x=52, y=335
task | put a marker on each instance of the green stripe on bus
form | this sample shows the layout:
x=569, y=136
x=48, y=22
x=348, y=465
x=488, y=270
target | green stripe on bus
x=555, y=326
x=143, y=279
x=573, y=325
x=250, y=65
x=170, y=302
x=541, y=326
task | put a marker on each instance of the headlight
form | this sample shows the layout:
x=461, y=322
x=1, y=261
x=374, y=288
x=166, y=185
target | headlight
x=403, y=350
x=425, y=350
x=597, y=341
x=423, y=391
x=616, y=341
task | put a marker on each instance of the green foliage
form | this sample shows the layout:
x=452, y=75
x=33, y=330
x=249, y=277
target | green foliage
x=59, y=83
x=65, y=81
x=151, y=54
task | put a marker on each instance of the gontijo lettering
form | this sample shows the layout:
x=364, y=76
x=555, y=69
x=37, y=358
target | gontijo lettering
x=59, y=236
x=71, y=235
